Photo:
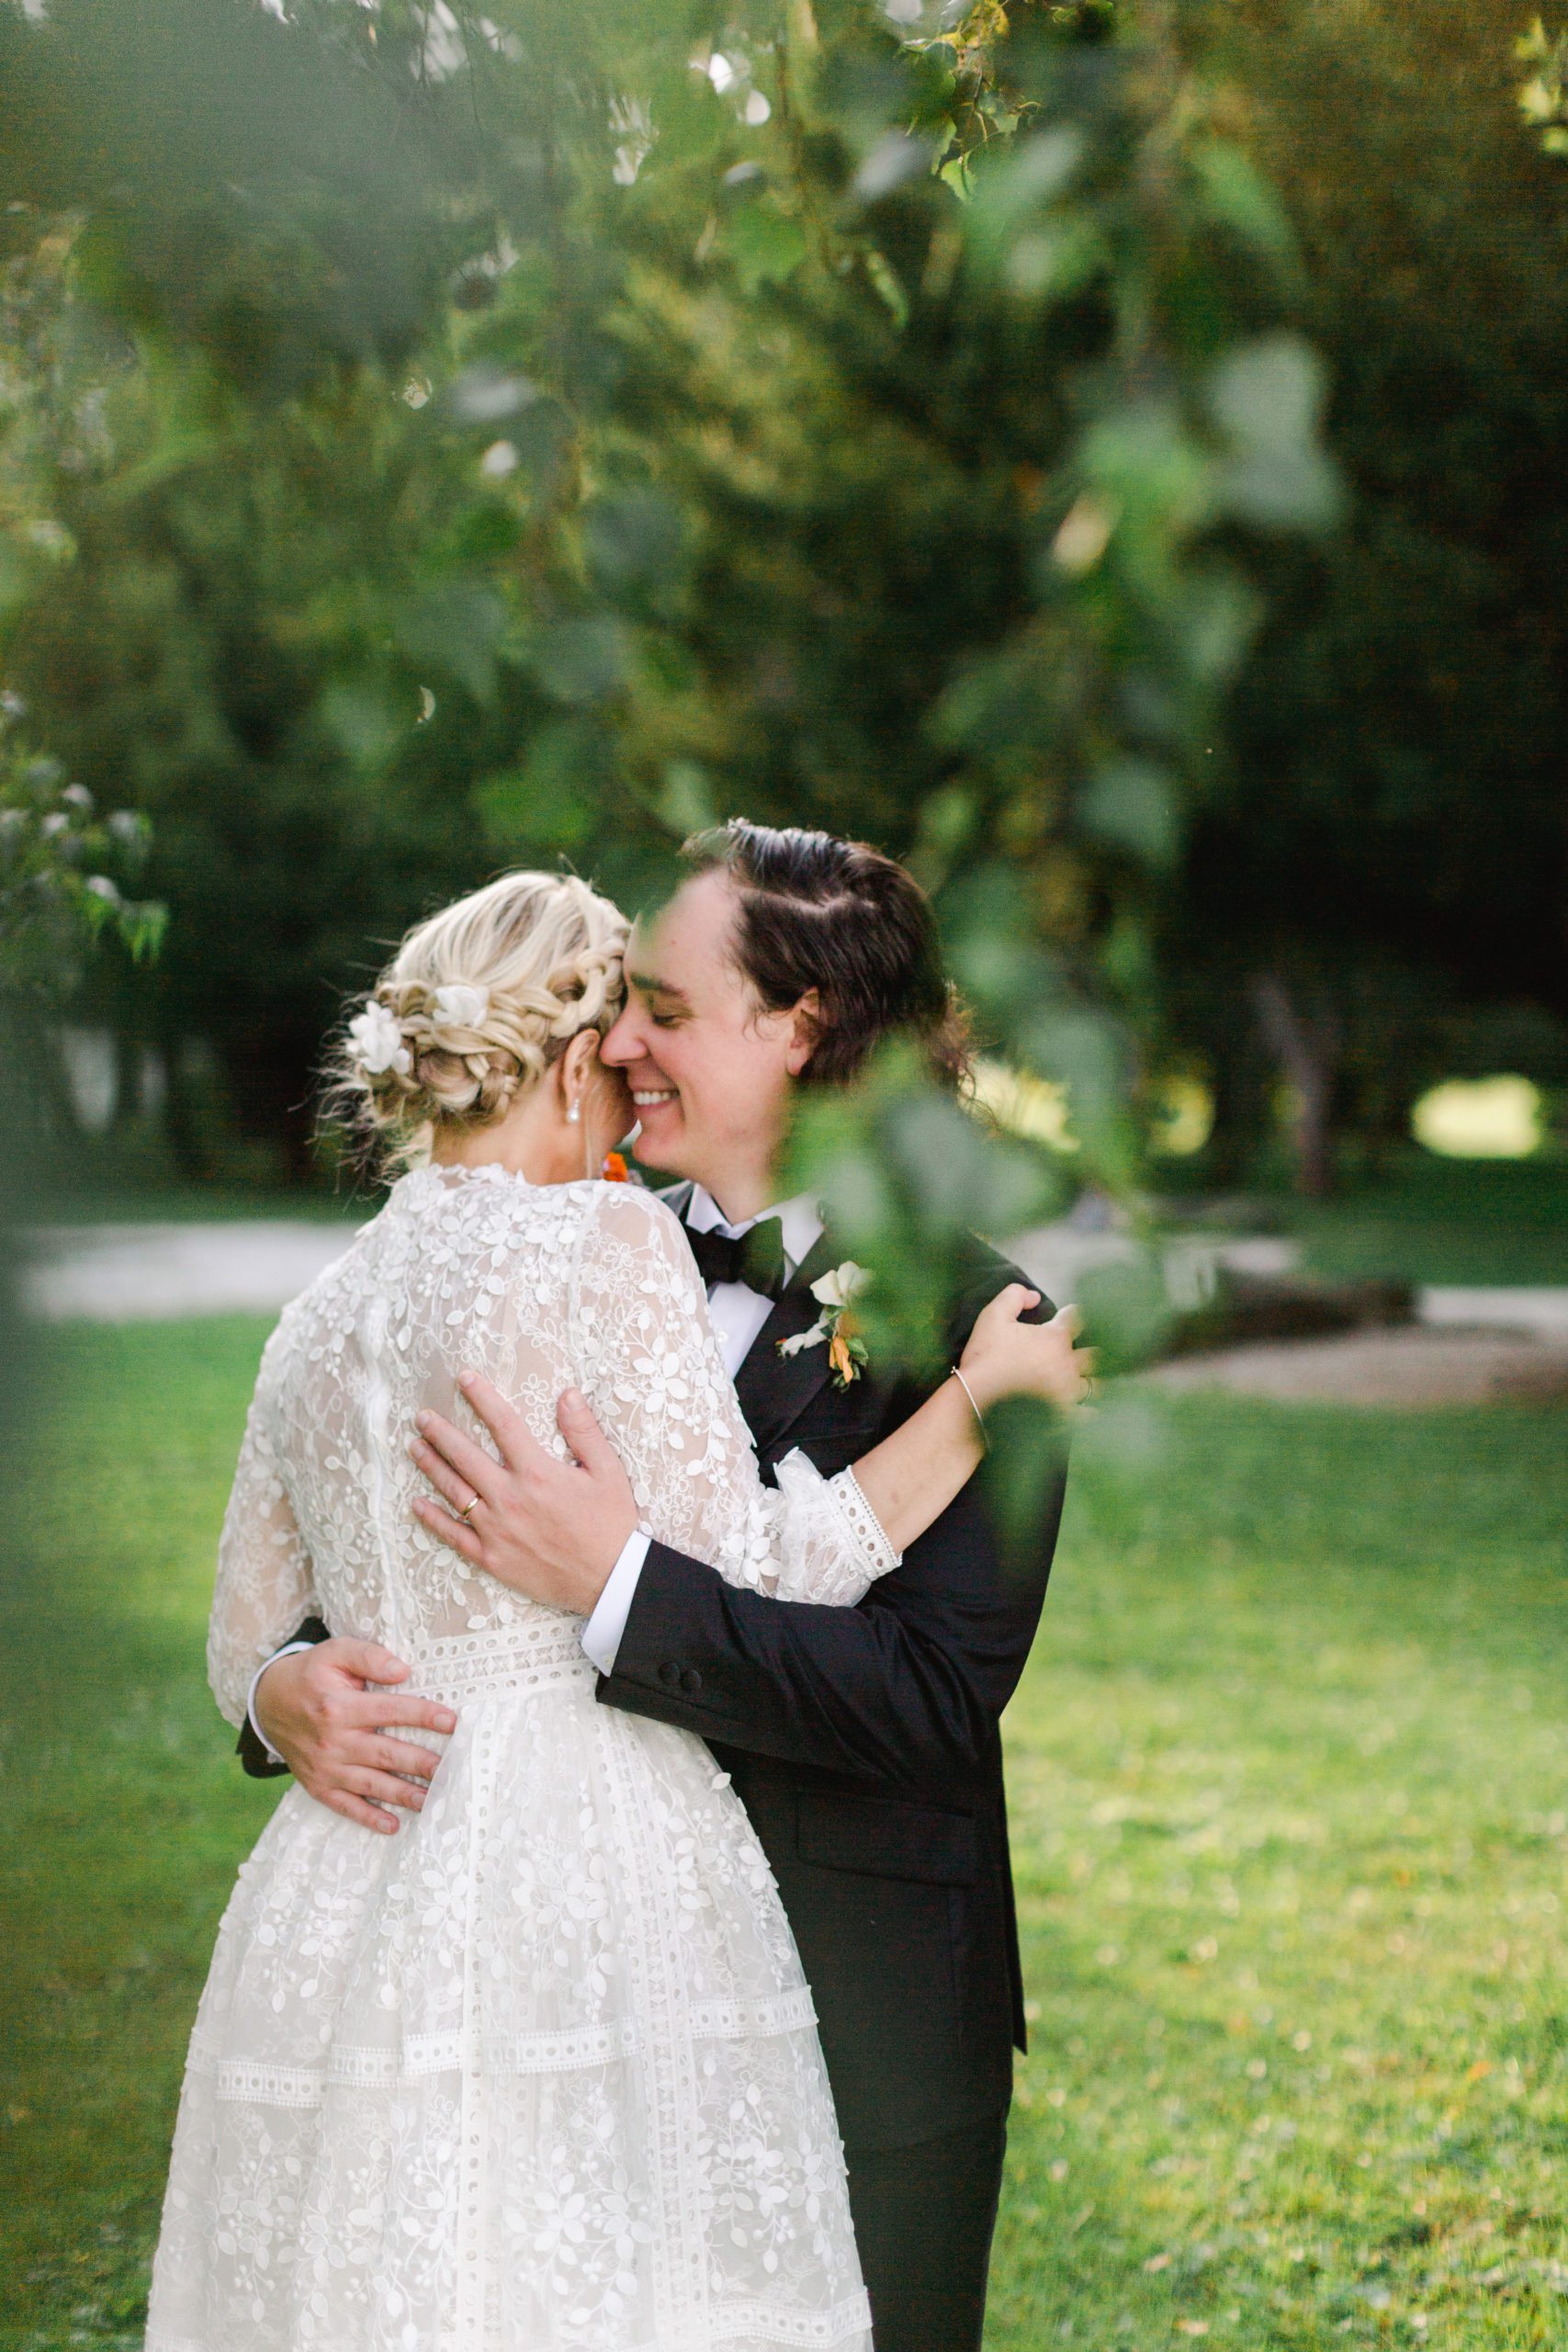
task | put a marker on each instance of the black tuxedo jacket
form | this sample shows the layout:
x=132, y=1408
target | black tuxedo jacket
x=864, y=1744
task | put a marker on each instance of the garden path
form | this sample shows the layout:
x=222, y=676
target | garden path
x=1472, y=1346
x=135, y=1274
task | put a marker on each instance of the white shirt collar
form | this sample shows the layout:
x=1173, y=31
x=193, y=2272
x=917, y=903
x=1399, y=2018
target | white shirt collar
x=800, y=1221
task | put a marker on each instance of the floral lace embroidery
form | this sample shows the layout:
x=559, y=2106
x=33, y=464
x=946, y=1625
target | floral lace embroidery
x=541, y=2070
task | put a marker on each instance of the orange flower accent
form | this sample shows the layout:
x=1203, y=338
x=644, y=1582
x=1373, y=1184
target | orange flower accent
x=839, y=1356
x=615, y=1170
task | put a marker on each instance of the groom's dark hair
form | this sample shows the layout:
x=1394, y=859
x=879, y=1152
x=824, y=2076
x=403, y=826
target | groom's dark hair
x=836, y=916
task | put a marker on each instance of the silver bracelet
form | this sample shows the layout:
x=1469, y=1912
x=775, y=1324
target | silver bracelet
x=979, y=1416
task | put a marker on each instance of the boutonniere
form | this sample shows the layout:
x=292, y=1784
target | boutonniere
x=836, y=1293
x=614, y=1171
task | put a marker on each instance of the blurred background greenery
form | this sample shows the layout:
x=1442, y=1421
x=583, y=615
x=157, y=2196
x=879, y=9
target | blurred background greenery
x=1108, y=453
x=1107, y=456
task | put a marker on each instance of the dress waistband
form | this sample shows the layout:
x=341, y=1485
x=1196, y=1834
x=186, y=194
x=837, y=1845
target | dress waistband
x=506, y=1659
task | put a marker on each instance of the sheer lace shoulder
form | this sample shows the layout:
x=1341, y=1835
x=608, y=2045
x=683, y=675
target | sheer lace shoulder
x=652, y=1368
x=536, y=1287
x=266, y=1584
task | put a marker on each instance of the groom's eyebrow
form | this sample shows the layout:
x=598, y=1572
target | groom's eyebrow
x=649, y=984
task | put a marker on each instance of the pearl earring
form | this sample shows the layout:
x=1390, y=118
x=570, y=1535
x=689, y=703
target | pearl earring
x=573, y=1112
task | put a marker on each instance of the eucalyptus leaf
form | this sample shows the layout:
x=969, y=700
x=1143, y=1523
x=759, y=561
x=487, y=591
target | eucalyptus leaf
x=581, y=660
x=1268, y=400
x=1131, y=805
x=456, y=626
x=767, y=247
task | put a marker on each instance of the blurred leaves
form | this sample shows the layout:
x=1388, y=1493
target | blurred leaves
x=1384, y=830
x=524, y=436
x=1268, y=400
x=259, y=193
x=63, y=871
x=1023, y=1466
x=1543, y=98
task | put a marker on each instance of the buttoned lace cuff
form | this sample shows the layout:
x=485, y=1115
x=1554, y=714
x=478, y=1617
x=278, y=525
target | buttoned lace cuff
x=838, y=1546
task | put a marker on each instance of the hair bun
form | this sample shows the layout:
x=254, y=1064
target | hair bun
x=476, y=1005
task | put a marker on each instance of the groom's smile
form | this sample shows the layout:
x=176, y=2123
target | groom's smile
x=709, y=1067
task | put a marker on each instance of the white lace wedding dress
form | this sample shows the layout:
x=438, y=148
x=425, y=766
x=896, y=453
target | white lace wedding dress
x=541, y=2072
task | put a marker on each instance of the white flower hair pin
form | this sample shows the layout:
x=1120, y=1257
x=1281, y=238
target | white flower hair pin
x=377, y=1038
x=458, y=1006
x=836, y=1292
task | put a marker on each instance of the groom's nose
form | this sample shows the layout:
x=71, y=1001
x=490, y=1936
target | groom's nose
x=619, y=1046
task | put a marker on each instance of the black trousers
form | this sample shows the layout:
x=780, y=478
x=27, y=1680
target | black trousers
x=923, y=2220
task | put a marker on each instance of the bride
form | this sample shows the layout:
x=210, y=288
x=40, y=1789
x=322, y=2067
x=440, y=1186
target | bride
x=541, y=2071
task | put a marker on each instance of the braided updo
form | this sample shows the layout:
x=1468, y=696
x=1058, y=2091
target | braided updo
x=476, y=1003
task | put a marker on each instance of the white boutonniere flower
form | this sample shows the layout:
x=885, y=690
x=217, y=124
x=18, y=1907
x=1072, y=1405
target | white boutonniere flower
x=377, y=1038
x=461, y=1007
x=836, y=1292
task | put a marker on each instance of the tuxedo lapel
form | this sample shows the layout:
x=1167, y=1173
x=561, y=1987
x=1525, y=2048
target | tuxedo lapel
x=775, y=1389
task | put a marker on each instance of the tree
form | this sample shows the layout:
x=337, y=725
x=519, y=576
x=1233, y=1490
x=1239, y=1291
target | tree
x=1385, y=853
x=835, y=422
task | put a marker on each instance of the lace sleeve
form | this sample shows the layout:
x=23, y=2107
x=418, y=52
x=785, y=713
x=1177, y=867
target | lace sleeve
x=652, y=1370
x=264, y=1583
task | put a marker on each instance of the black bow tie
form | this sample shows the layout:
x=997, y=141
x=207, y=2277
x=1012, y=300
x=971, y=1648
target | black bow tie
x=755, y=1258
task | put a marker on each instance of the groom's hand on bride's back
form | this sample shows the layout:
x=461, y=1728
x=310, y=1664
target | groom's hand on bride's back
x=551, y=1529
x=334, y=1730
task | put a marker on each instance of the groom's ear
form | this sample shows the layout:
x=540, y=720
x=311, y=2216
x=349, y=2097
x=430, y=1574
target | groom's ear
x=806, y=1034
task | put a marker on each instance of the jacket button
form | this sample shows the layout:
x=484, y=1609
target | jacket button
x=670, y=1673
x=691, y=1681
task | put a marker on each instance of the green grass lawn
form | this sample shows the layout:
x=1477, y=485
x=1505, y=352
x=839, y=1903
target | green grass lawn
x=1289, y=1781
x=1289, y=1787
x=1446, y=1221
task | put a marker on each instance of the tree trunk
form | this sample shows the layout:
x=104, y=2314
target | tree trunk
x=1308, y=1051
x=1239, y=1078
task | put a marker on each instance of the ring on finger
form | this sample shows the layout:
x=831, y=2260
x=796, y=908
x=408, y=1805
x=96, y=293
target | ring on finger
x=468, y=1508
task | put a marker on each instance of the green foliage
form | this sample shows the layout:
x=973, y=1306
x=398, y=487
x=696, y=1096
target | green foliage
x=909, y=426
x=56, y=897
x=842, y=427
x=1543, y=98
x=1386, y=837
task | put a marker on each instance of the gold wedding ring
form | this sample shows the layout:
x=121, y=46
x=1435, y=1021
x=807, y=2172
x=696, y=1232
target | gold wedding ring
x=471, y=1505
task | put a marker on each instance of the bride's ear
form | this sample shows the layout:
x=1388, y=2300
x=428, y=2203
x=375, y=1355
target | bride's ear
x=806, y=1034
x=574, y=1073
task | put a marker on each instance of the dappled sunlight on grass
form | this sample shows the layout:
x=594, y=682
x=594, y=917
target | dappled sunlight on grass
x=1289, y=1789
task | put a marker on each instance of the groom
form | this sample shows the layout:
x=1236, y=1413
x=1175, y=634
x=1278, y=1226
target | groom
x=863, y=1742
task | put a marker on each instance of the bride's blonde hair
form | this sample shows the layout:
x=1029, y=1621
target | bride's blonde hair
x=476, y=1003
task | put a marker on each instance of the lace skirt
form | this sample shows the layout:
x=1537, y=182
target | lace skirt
x=541, y=2072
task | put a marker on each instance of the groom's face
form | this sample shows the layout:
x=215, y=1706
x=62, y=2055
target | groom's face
x=710, y=1070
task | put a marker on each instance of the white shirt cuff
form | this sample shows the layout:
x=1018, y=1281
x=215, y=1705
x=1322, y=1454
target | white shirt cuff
x=601, y=1635
x=288, y=1651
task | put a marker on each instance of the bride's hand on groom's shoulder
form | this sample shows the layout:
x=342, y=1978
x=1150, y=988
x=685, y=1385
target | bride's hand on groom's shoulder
x=552, y=1530
x=1005, y=1356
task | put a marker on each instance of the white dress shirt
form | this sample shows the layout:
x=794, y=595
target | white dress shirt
x=738, y=1314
